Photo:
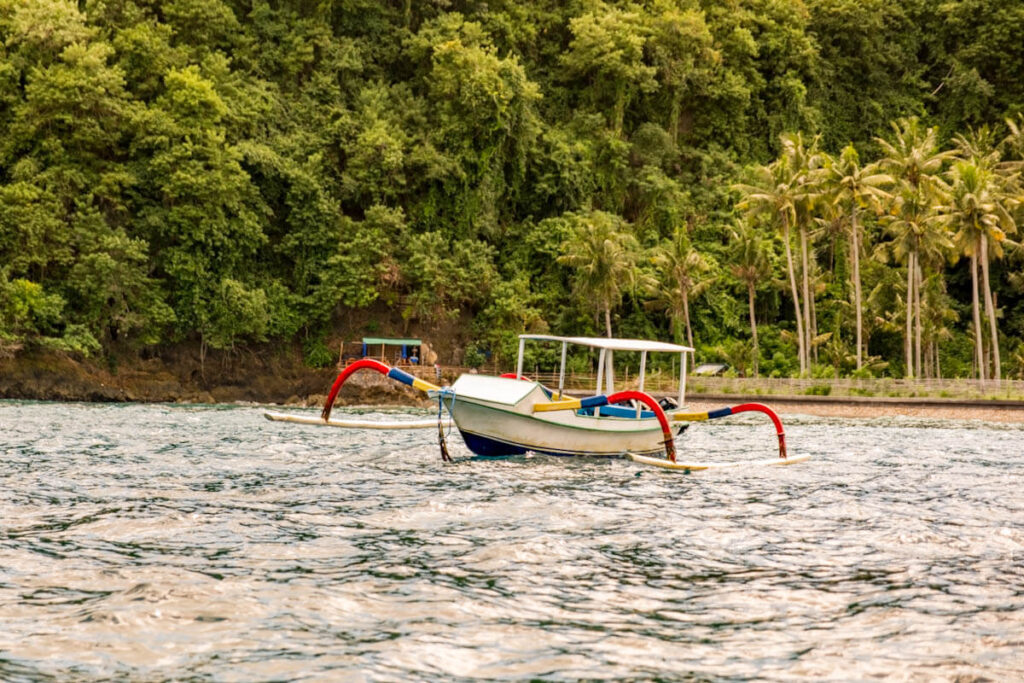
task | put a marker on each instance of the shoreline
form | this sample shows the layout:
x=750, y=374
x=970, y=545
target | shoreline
x=783, y=405
x=283, y=380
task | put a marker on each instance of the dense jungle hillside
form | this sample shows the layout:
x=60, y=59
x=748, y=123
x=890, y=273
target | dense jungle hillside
x=817, y=187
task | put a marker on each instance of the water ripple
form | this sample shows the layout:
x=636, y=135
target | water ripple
x=158, y=541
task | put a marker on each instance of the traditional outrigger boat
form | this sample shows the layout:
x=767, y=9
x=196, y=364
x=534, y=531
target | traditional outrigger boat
x=512, y=415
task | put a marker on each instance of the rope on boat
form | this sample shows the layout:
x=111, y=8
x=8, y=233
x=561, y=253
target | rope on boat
x=742, y=408
x=442, y=438
x=370, y=364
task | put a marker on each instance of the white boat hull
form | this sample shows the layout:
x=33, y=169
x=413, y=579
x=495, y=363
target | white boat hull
x=496, y=418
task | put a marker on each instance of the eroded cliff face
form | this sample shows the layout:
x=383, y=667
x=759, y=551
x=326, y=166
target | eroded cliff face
x=179, y=378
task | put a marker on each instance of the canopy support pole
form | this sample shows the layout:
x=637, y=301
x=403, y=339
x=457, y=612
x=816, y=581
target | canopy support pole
x=519, y=363
x=561, y=371
x=609, y=375
x=682, y=379
x=643, y=370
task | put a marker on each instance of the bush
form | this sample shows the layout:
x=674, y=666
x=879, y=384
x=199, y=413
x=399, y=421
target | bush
x=316, y=353
x=823, y=371
x=474, y=357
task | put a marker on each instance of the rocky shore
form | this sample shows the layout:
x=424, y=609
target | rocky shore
x=277, y=378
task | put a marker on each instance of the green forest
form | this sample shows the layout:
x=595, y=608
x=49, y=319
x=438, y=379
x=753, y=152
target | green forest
x=796, y=187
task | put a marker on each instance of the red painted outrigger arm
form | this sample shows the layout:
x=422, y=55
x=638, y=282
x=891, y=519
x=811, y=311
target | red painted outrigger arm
x=370, y=364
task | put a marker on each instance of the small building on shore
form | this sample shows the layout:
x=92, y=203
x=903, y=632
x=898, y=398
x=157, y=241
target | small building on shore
x=391, y=350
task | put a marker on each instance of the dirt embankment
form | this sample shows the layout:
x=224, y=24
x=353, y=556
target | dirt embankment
x=277, y=376
x=263, y=373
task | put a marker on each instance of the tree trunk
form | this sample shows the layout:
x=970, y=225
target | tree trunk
x=813, y=334
x=796, y=300
x=990, y=310
x=926, y=363
x=855, y=248
x=977, y=317
x=689, y=331
x=985, y=351
x=678, y=333
x=908, y=335
x=673, y=123
x=917, y=312
x=202, y=357
x=807, y=293
x=686, y=318
x=753, y=324
x=608, y=319
x=620, y=109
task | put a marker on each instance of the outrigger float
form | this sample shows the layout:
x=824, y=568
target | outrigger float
x=513, y=415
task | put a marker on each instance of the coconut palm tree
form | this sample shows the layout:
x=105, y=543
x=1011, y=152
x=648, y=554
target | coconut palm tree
x=855, y=187
x=683, y=274
x=978, y=145
x=603, y=254
x=751, y=266
x=917, y=235
x=980, y=148
x=806, y=162
x=1014, y=142
x=775, y=190
x=912, y=157
x=975, y=209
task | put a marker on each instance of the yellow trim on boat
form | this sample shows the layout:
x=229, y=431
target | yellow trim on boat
x=689, y=417
x=424, y=385
x=568, y=404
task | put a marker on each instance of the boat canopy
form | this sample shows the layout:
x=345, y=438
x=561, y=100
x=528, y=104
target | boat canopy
x=605, y=365
x=638, y=345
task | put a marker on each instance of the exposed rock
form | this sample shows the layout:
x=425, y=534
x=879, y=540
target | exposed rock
x=179, y=378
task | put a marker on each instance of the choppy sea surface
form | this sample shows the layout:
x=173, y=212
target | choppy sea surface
x=205, y=543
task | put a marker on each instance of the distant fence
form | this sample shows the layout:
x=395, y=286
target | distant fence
x=884, y=386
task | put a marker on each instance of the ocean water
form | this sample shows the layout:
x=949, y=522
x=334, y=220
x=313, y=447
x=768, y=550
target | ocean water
x=154, y=542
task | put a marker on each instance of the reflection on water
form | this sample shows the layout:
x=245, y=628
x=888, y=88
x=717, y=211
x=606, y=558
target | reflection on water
x=179, y=542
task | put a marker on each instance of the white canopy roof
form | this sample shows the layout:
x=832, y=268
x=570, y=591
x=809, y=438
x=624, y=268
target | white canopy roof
x=613, y=344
